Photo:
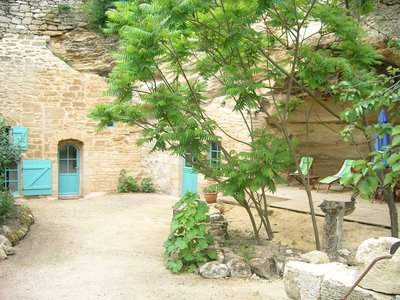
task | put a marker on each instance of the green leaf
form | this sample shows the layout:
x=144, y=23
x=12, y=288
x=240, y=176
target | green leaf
x=388, y=179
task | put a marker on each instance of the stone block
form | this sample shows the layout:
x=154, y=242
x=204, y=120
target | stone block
x=303, y=281
x=381, y=277
x=336, y=284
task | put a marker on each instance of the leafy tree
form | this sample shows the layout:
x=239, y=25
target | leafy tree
x=9, y=152
x=272, y=67
x=378, y=172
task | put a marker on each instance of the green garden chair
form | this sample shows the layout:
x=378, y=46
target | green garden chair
x=305, y=167
x=346, y=167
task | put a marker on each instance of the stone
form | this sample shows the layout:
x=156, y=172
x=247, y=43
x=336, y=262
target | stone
x=315, y=257
x=5, y=244
x=337, y=283
x=214, y=269
x=372, y=248
x=303, y=280
x=4, y=241
x=264, y=267
x=380, y=277
x=3, y=254
x=238, y=267
x=14, y=235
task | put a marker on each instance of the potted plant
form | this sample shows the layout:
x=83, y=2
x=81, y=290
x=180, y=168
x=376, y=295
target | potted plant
x=210, y=193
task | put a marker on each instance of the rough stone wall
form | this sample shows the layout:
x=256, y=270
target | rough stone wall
x=49, y=17
x=44, y=94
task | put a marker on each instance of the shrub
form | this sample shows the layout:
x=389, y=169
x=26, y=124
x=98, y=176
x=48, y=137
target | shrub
x=210, y=189
x=188, y=243
x=126, y=184
x=146, y=185
x=6, y=205
x=95, y=12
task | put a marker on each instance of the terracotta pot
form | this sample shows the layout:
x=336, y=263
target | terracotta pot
x=211, y=197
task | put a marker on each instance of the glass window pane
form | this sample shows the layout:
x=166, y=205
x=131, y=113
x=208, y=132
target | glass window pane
x=62, y=166
x=11, y=186
x=62, y=151
x=188, y=159
x=12, y=175
x=72, y=166
x=13, y=166
x=72, y=152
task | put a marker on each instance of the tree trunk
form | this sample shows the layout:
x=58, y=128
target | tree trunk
x=390, y=200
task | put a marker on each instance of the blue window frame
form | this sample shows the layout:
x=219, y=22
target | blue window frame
x=215, y=153
x=11, y=178
x=111, y=125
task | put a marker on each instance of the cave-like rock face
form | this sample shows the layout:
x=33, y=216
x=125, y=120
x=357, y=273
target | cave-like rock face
x=383, y=26
x=86, y=50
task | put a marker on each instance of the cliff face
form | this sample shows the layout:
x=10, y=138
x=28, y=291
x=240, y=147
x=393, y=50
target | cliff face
x=70, y=38
x=86, y=51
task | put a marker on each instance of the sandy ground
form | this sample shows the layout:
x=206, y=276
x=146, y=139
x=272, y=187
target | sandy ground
x=295, y=229
x=109, y=247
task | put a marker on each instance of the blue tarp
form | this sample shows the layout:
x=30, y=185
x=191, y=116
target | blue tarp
x=383, y=142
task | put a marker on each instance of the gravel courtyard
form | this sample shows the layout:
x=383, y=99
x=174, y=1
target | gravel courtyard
x=109, y=247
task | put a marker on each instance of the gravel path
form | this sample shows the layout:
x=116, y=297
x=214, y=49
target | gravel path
x=109, y=247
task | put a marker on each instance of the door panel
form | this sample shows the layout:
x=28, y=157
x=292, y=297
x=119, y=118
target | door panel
x=189, y=178
x=68, y=170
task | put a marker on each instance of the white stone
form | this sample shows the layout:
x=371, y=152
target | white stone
x=372, y=248
x=4, y=241
x=3, y=254
x=384, y=276
x=214, y=269
x=238, y=267
x=337, y=283
x=315, y=257
x=303, y=280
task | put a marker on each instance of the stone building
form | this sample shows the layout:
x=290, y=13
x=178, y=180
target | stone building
x=49, y=66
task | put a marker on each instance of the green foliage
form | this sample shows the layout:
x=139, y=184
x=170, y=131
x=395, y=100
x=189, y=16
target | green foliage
x=63, y=8
x=9, y=152
x=173, y=48
x=95, y=12
x=126, y=184
x=187, y=246
x=210, y=189
x=6, y=205
x=146, y=185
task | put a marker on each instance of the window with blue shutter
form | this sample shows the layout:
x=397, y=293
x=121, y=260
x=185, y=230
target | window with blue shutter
x=36, y=176
x=20, y=137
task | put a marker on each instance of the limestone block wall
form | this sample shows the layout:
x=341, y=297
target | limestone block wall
x=42, y=93
x=49, y=17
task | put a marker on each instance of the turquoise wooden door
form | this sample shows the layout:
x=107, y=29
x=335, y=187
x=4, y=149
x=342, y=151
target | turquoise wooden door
x=68, y=170
x=36, y=174
x=189, y=178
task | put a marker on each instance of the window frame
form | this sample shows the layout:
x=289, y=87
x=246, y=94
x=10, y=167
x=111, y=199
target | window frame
x=215, y=148
x=7, y=181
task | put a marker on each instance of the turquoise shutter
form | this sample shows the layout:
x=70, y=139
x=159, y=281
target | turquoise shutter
x=37, y=177
x=20, y=137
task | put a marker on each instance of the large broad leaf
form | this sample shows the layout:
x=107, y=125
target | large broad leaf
x=368, y=186
x=396, y=130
